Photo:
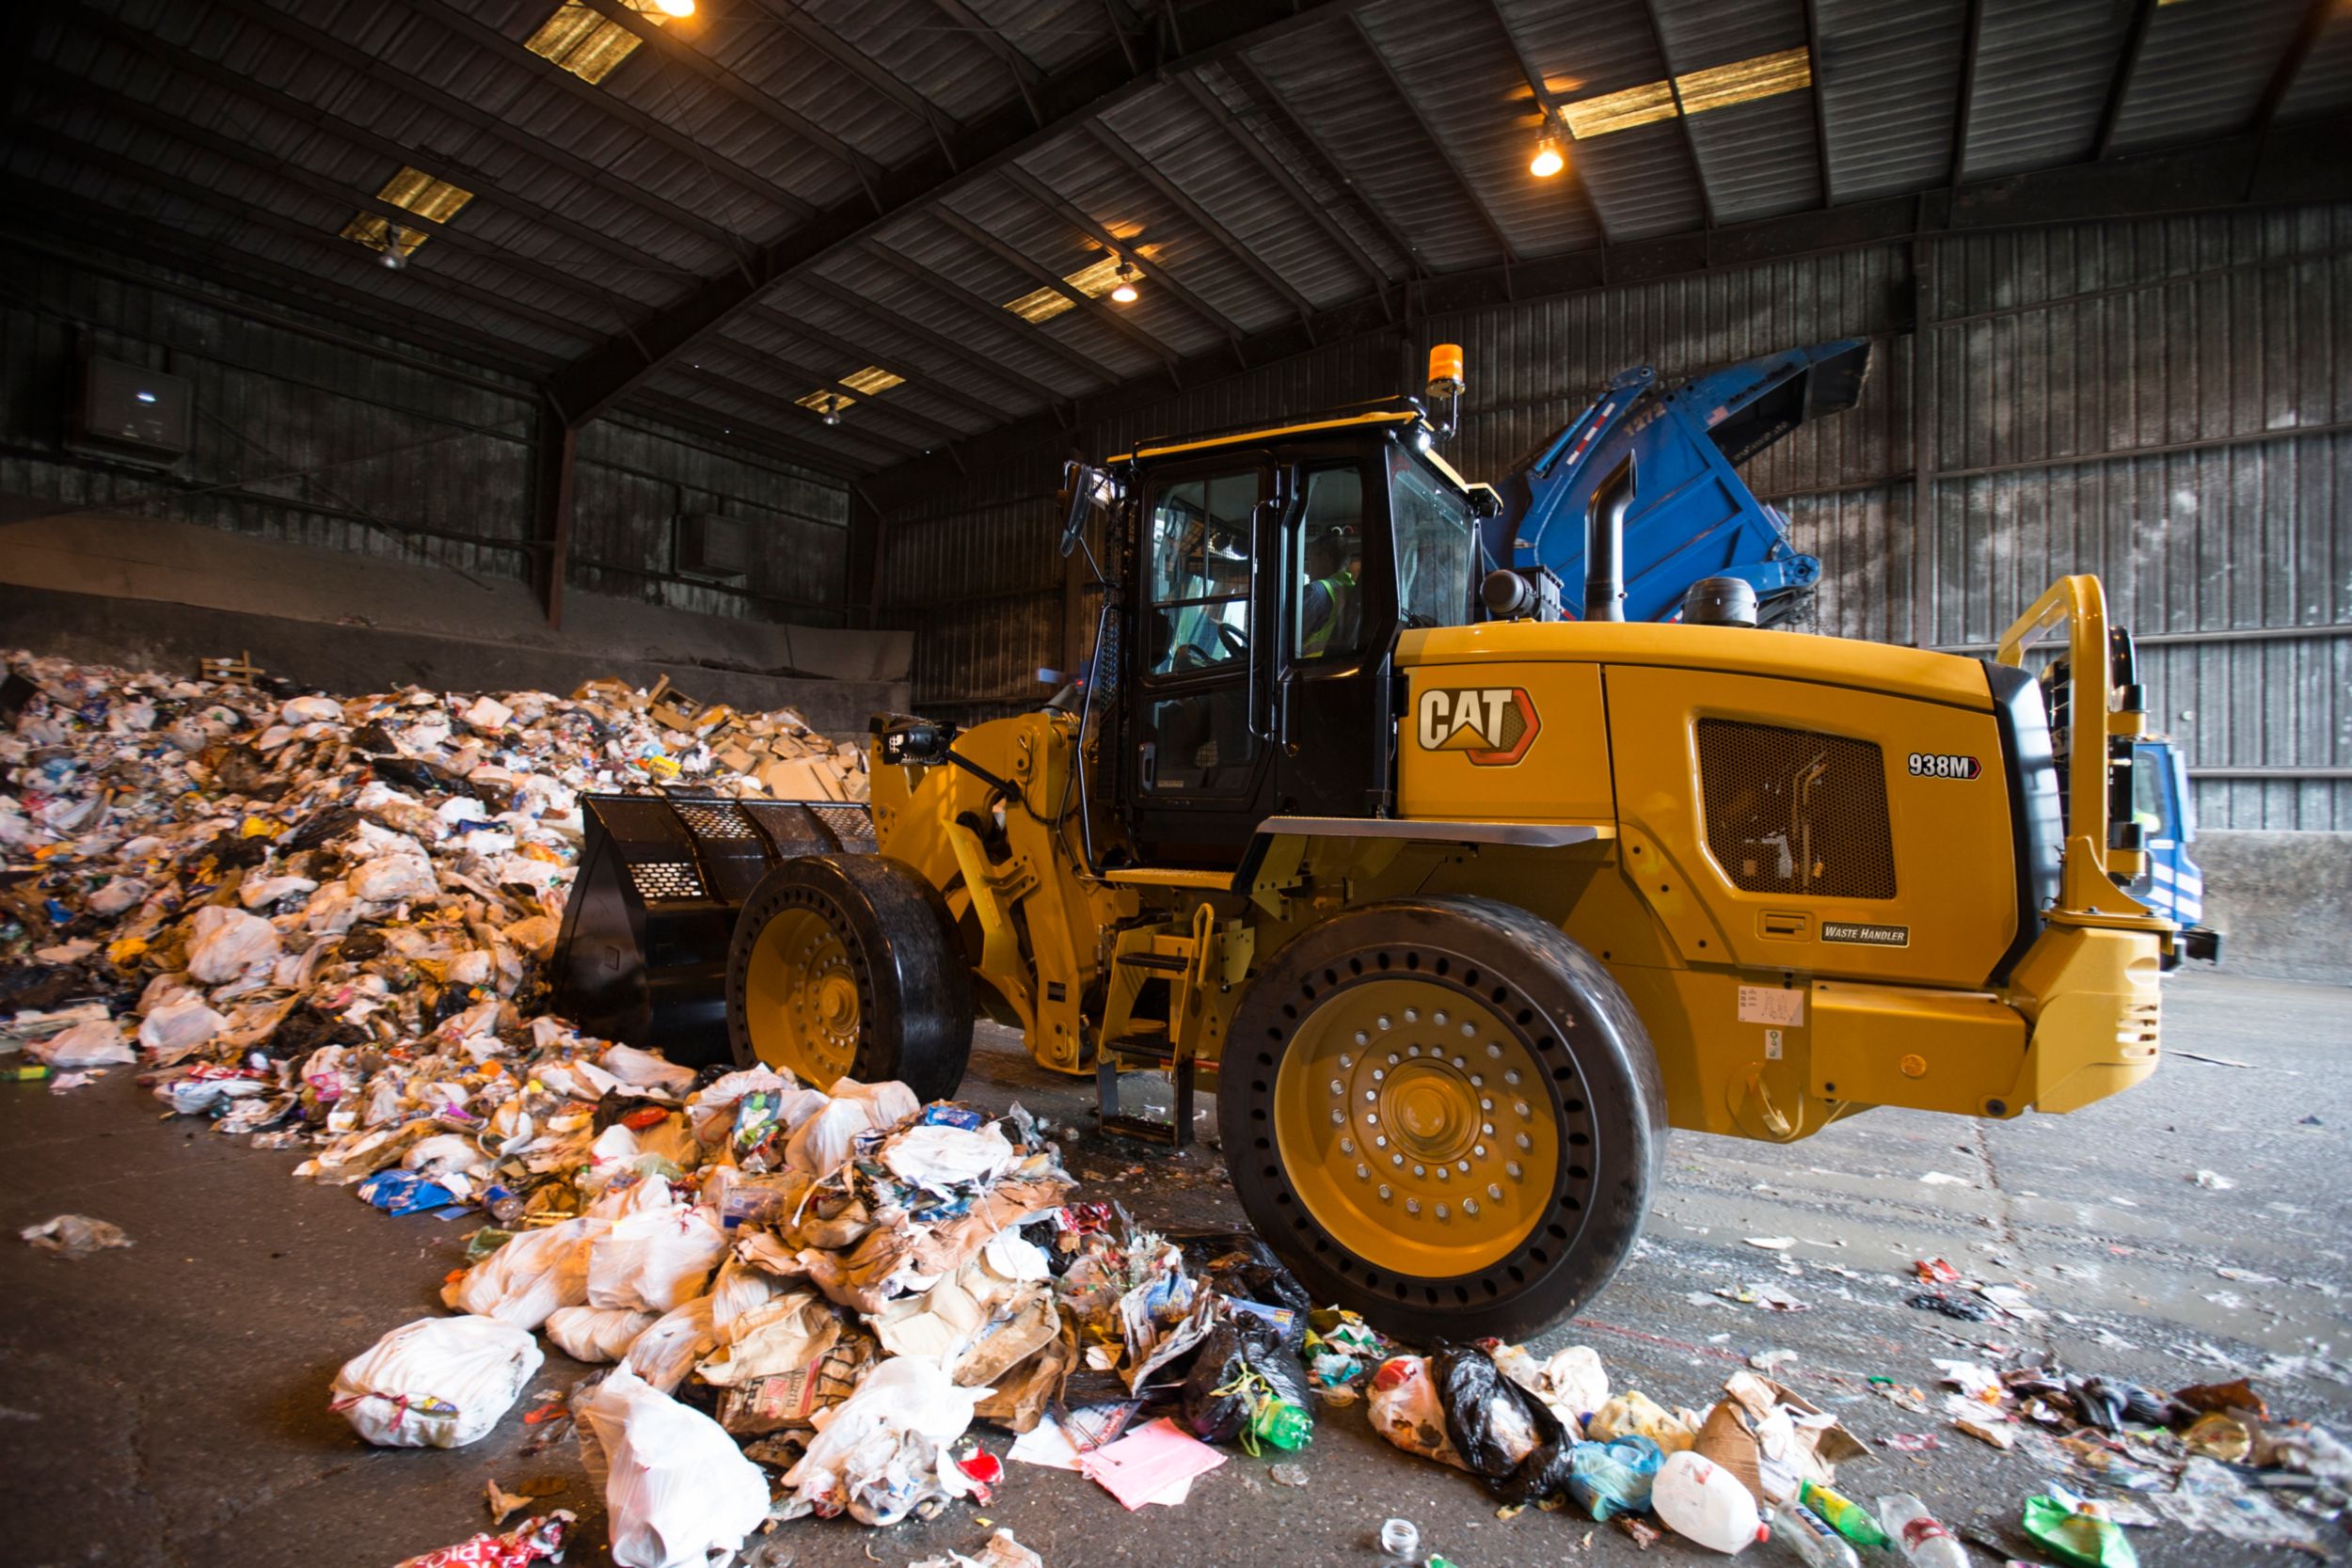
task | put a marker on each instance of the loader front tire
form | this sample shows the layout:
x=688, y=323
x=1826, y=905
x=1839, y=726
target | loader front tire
x=1444, y=1114
x=841, y=967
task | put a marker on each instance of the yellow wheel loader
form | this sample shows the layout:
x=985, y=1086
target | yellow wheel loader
x=1456, y=904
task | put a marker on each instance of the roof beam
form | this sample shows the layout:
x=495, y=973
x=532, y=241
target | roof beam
x=2291, y=63
x=1270, y=104
x=1224, y=239
x=914, y=368
x=495, y=43
x=779, y=406
x=484, y=186
x=1438, y=144
x=987, y=310
x=2119, y=85
x=136, y=234
x=1966, y=101
x=1053, y=201
x=269, y=19
x=1015, y=63
x=1013, y=257
x=669, y=46
x=1264, y=156
x=1682, y=114
x=1820, y=101
x=243, y=155
x=1555, y=123
x=929, y=431
x=263, y=217
x=948, y=347
x=787, y=15
x=1084, y=91
x=2302, y=163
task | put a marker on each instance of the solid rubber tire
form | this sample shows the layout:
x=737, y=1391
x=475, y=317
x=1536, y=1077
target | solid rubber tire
x=915, y=988
x=1583, y=1029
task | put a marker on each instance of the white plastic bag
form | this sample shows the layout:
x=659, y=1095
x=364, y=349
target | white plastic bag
x=888, y=1103
x=821, y=1144
x=596, y=1333
x=883, y=1449
x=531, y=1276
x=1404, y=1409
x=655, y=1259
x=224, y=943
x=678, y=1490
x=1572, y=1382
x=178, y=1027
x=944, y=1157
x=643, y=1070
x=99, y=1042
x=438, y=1382
x=665, y=1353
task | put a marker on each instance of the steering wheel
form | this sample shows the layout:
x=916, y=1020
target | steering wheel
x=1234, y=641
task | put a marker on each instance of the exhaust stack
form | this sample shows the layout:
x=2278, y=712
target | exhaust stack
x=1604, y=544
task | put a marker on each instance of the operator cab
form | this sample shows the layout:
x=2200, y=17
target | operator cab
x=1264, y=576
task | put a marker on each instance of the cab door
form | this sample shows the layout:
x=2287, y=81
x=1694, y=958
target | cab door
x=1335, y=610
x=1195, y=771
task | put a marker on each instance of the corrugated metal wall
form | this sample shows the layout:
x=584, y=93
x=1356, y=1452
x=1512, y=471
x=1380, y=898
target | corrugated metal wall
x=397, y=453
x=2167, y=403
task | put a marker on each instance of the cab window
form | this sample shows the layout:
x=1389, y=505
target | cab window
x=1198, y=612
x=1325, y=549
x=1435, y=547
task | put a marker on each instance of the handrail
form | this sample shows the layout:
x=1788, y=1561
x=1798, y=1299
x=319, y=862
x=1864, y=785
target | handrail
x=2080, y=602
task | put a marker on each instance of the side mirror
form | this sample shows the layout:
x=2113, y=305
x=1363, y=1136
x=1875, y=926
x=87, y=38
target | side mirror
x=1083, y=489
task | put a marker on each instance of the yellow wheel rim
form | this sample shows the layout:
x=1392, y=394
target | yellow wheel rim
x=1416, y=1126
x=801, y=1001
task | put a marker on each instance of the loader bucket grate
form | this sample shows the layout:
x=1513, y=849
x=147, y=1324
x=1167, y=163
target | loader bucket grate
x=1794, y=811
x=666, y=880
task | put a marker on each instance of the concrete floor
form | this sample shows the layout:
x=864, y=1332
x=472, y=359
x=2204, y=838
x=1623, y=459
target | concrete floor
x=168, y=1405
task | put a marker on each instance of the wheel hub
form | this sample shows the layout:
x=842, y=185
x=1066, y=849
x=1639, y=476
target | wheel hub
x=1413, y=1126
x=803, y=1004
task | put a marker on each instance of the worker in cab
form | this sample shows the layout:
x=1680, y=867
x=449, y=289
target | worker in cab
x=1327, y=617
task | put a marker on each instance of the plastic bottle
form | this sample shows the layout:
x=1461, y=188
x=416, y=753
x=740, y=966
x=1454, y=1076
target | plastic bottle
x=1800, y=1529
x=1843, y=1514
x=1398, y=1538
x=1282, y=1424
x=1917, y=1538
x=1704, y=1503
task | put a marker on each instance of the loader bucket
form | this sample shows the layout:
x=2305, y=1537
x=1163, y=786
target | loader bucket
x=642, y=955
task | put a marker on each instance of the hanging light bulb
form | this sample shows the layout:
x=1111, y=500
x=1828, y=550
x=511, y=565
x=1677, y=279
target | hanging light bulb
x=676, y=8
x=394, y=259
x=1125, y=292
x=1549, y=159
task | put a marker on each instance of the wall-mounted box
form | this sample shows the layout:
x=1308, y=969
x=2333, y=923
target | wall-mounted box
x=130, y=414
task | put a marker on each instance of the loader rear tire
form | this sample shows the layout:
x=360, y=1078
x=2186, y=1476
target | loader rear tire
x=842, y=967
x=1443, y=1114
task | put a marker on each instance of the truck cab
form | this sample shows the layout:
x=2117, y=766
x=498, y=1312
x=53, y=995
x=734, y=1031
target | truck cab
x=1269, y=575
x=2172, y=884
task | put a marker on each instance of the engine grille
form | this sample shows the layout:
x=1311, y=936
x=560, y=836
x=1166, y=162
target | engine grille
x=1792, y=811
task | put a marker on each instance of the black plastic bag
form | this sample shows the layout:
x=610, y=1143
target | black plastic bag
x=1478, y=1401
x=1243, y=1362
x=1242, y=1268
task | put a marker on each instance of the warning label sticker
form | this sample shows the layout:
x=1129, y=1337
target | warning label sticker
x=1772, y=1004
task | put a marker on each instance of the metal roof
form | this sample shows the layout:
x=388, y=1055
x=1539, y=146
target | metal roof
x=771, y=196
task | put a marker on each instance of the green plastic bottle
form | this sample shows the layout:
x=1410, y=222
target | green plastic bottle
x=1282, y=1424
x=1843, y=1514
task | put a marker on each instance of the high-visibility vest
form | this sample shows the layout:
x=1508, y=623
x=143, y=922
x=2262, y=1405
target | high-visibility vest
x=1340, y=587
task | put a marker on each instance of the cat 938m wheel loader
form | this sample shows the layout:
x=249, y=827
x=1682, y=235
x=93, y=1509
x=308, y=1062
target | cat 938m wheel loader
x=1458, y=904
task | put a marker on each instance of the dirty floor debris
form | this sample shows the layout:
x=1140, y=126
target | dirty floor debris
x=162, y=1404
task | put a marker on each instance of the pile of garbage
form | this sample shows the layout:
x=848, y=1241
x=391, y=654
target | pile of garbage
x=253, y=875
